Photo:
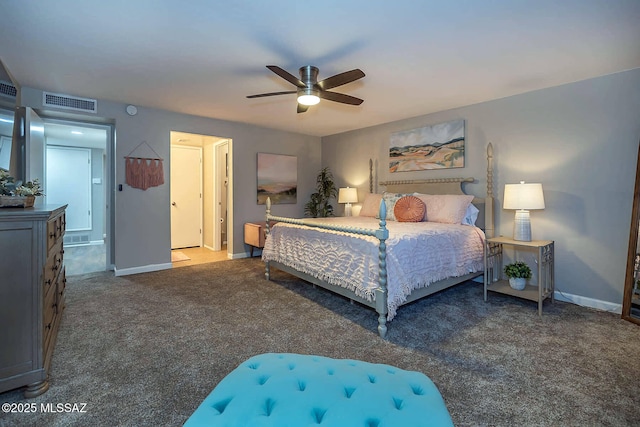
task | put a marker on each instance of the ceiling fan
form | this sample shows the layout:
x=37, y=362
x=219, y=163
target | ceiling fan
x=310, y=90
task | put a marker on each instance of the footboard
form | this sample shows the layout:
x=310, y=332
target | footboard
x=380, y=233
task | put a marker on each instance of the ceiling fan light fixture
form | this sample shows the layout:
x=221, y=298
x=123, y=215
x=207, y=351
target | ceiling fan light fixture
x=308, y=99
x=308, y=96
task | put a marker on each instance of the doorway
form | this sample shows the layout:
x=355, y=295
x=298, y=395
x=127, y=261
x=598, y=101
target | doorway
x=77, y=156
x=212, y=176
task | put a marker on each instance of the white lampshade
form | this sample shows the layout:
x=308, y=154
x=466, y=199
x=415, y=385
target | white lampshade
x=523, y=197
x=348, y=195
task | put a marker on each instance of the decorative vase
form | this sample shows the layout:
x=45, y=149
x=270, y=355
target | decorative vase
x=517, y=283
x=17, y=201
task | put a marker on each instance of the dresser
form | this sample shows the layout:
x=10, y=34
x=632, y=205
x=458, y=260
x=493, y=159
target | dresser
x=32, y=286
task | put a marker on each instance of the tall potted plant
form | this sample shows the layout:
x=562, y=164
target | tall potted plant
x=319, y=205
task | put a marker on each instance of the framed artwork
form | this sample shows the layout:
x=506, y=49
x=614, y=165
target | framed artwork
x=277, y=178
x=438, y=146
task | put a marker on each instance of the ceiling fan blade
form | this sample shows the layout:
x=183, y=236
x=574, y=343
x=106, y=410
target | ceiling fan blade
x=302, y=108
x=261, y=95
x=340, y=79
x=287, y=76
x=340, y=97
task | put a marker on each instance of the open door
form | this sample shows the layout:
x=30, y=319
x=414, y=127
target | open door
x=186, y=197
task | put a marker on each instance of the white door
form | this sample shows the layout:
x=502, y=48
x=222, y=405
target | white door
x=68, y=181
x=186, y=196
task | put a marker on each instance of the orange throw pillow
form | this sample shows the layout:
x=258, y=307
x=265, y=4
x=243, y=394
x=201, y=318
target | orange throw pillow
x=409, y=209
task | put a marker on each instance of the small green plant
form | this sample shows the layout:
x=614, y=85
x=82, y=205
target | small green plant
x=29, y=188
x=9, y=187
x=517, y=269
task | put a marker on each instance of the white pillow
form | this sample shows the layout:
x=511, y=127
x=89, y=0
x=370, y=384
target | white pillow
x=445, y=208
x=371, y=205
x=471, y=215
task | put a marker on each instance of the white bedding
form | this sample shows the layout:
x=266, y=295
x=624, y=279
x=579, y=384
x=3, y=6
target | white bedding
x=417, y=254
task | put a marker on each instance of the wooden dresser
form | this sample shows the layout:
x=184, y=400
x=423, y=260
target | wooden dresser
x=32, y=283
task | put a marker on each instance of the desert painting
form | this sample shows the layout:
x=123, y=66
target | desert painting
x=439, y=146
x=277, y=178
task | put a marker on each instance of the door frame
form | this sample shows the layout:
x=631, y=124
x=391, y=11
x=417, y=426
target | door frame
x=108, y=179
x=217, y=195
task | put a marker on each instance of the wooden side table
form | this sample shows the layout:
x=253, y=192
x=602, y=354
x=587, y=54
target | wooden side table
x=493, y=274
x=255, y=233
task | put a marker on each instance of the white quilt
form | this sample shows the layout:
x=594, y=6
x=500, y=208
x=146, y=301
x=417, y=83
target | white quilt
x=418, y=254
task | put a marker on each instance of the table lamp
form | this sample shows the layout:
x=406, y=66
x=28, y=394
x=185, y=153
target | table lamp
x=348, y=195
x=523, y=197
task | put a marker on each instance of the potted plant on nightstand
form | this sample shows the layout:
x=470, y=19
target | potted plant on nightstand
x=518, y=272
x=14, y=195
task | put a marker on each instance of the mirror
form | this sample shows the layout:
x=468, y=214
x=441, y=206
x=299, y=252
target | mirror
x=8, y=102
x=631, y=295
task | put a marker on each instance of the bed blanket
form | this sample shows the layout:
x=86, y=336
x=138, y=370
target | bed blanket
x=418, y=254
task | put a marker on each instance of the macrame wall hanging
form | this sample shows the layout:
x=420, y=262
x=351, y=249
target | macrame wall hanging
x=144, y=172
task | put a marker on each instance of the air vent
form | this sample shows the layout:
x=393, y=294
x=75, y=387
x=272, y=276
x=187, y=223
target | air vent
x=7, y=89
x=76, y=239
x=68, y=102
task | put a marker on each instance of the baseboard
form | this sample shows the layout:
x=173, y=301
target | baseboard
x=588, y=302
x=238, y=256
x=142, y=269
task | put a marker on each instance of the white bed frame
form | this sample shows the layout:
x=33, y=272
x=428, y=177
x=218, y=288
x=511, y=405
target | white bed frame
x=427, y=186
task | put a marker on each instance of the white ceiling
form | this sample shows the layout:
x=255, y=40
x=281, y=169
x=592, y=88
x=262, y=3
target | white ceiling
x=203, y=57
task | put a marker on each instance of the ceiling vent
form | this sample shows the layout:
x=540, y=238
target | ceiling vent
x=68, y=102
x=7, y=89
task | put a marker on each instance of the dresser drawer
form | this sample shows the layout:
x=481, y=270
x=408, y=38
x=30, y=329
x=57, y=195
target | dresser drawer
x=55, y=230
x=49, y=311
x=61, y=287
x=53, y=265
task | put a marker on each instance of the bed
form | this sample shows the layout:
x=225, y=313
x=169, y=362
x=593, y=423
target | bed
x=382, y=263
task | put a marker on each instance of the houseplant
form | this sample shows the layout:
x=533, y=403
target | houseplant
x=319, y=205
x=17, y=195
x=518, y=272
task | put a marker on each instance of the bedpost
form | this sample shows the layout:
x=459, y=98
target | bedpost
x=267, y=272
x=371, y=176
x=381, y=292
x=488, y=204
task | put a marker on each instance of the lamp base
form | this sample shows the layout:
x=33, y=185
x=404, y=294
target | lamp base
x=347, y=209
x=522, y=226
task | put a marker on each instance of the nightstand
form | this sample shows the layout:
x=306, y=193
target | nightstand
x=255, y=233
x=493, y=274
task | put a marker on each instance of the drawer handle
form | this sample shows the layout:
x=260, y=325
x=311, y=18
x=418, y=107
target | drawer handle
x=52, y=235
x=48, y=326
x=48, y=282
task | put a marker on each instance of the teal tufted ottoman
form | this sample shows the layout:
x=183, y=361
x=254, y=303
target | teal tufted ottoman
x=282, y=390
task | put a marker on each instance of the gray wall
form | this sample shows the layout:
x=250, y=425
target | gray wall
x=143, y=225
x=579, y=140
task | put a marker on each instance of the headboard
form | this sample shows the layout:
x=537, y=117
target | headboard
x=450, y=186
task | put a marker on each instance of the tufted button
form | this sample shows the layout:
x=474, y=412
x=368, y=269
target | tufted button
x=398, y=403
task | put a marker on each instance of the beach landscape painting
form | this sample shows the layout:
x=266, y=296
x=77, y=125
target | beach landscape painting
x=277, y=178
x=439, y=146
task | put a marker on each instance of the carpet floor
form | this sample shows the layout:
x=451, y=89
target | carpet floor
x=146, y=349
